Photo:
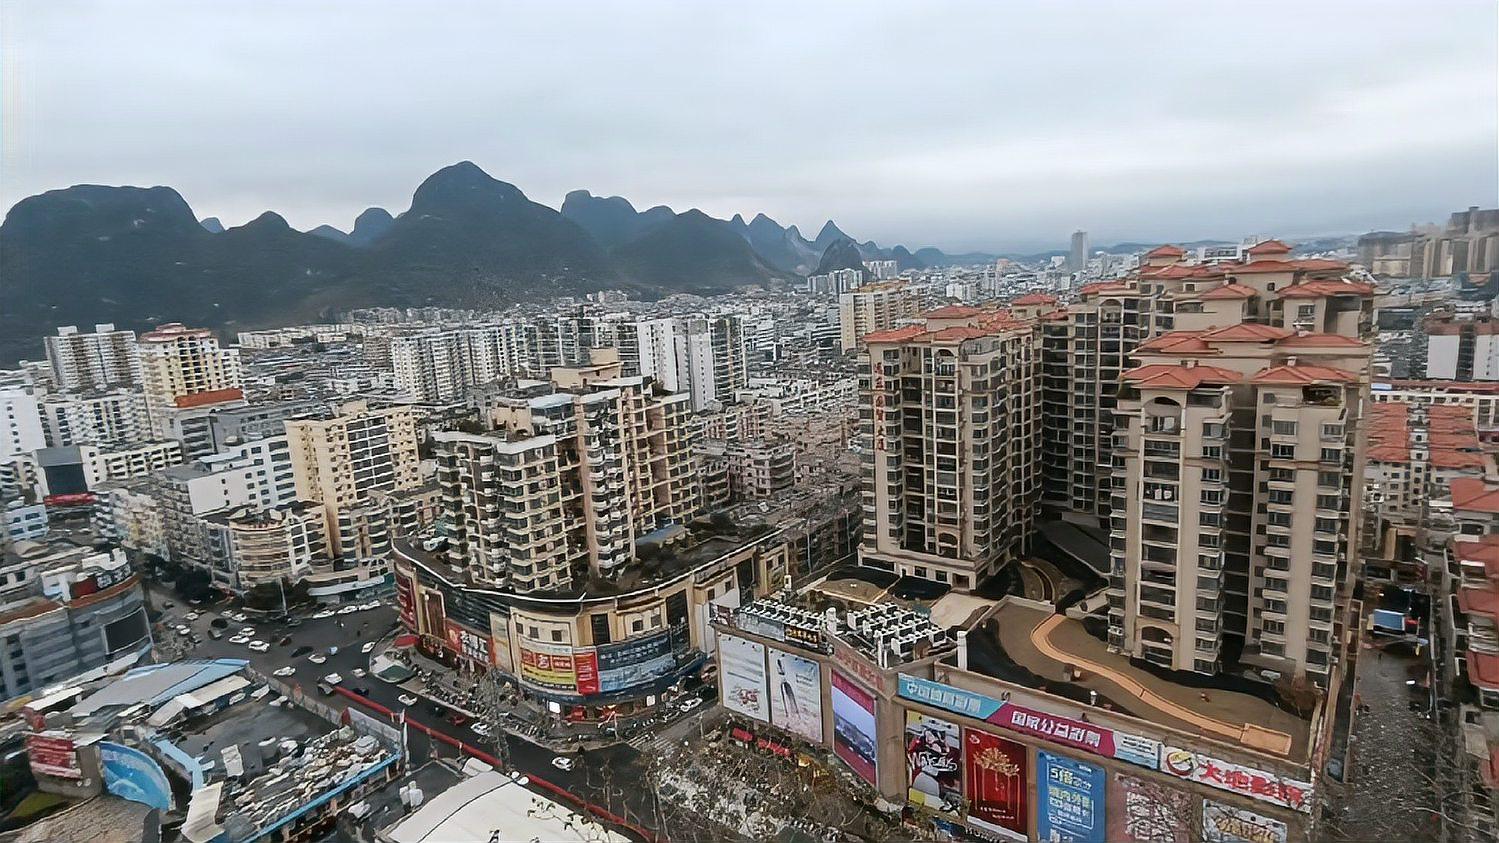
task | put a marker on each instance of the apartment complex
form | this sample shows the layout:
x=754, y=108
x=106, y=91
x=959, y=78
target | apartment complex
x=1468, y=243
x=117, y=415
x=184, y=368
x=248, y=546
x=339, y=457
x=1462, y=348
x=950, y=424
x=82, y=362
x=875, y=307
x=567, y=479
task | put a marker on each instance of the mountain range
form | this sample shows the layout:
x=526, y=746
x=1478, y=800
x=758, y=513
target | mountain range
x=137, y=256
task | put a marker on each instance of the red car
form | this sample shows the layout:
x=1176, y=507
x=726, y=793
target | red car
x=457, y=719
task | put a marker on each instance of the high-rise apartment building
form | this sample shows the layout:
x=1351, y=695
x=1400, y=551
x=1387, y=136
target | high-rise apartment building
x=951, y=423
x=875, y=307
x=115, y=416
x=184, y=368
x=89, y=361
x=1077, y=255
x=21, y=430
x=338, y=458
x=1462, y=348
x=567, y=480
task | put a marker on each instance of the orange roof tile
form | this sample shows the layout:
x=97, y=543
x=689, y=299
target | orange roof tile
x=1321, y=341
x=1105, y=287
x=1034, y=299
x=1474, y=495
x=957, y=333
x=1390, y=453
x=896, y=334
x=1166, y=251
x=1177, y=342
x=1230, y=291
x=1483, y=551
x=1303, y=375
x=1325, y=288
x=199, y=399
x=1247, y=332
x=1162, y=376
x=1268, y=247
x=954, y=311
x=1454, y=459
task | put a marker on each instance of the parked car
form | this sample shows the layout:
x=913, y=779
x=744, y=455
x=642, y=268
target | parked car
x=562, y=762
x=215, y=634
x=259, y=646
x=317, y=658
x=358, y=673
x=283, y=640
x=184, y=630
x=333, y=650
x=482, y=729
x=249, y=630
x=326, y=613
x=325, y=688
x=361, y=690
x=284, y=671
x=457, y=718
x=191, y=616
x=333, y=679
x=406, y=699
x=367, y=647
x=240, y=639
x=691, y=702
x=347, y=610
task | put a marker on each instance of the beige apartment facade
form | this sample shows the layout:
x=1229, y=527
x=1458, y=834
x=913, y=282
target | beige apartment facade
x=875, y=307
x=183, y=368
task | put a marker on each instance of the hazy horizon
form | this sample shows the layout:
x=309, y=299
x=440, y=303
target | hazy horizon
x=1152, y=122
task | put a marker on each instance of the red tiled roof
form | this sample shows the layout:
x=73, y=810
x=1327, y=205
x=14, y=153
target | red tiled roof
x=957, y=333
x=1474, y=495
x=1303, y=375
x=1162, y=376
x=1246, y=332
x=1268, y=247
x=216, y=396
x=1034, y=299
x=1166, y=251
x=954, y=311
x=1451, y=439
x=1447, y=458
x=1390, y=453
x=1324, y=288
x=1177, y=342
x=1105, y=287
x=1321, y=341
x=896, y=334
x=1483, y=669
x=39, y=606
x=1230, y=291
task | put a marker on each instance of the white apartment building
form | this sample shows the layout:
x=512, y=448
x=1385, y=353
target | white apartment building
x=250, y=545
x=184, y=368
x=122, y=461
x=75, y=419
x=1462, y=349
x=128, y=513
x=82, y=362
x=21, y=430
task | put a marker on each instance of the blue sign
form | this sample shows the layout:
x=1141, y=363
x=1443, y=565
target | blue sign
x=134, y=775
x=956, y=700
x=1071, y=795
x=636, y=661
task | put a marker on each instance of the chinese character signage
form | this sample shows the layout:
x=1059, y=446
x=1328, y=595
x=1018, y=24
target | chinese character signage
x=1227, y=824
x=934, y=764
x=547, y=666
x=635, y=661
x=853, y=727
x=741, y=672
x=470, y=645
x=956, y=700
x=586, y=670
x=1245, y=781
x=1071, y=794
x=796, y=695
x=53, y=755
x=996, y=783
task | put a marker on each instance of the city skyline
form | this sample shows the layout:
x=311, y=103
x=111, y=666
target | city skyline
x=1203, y=141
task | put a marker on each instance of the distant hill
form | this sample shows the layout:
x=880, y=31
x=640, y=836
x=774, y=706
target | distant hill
x=612, y=221
x=841, y=254
x=212, y=225
x=692, y=252
x=783, y=248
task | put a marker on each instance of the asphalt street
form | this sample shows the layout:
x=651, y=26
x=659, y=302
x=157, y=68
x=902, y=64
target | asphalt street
x=607, y=777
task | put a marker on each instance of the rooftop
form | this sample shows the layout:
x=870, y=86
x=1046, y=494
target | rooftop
x=471, y=811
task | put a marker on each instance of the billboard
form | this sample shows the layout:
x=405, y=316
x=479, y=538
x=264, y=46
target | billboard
x=499, y=642
x=934, y=764
x=635, y=661
x=796, y=695
x=472, y=646
x=1071, y=797
x=406, y=601
x=53, y=755
x=548, y=666
x=134, y=775
x=1146, y=812
x=996, y=783
x=1227, y=824
x=741, y=670
x=853, y=727
x=1245, y=781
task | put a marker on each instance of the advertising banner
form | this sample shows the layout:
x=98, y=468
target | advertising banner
x=741, y=670
x=796, y=695
x=934, y=764
x=406, y=601
x=1071, y=794
x=635, y=661
x=499, y=646
x=853, y=727
x=470, y=645
x=1245, y=781
x=134, y=775
x=53, y=755
x=1146, y=812
x=548, y=666
x=761, y=626
x=586, y=669
x=996, y=784
x=1227, y=824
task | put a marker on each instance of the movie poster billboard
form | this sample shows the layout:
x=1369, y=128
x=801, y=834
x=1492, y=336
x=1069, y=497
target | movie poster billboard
x=996, y=784
x=796, y=695
x=1142, y=811
x=934, y=764
x=741, y=671
x=853, y=727
x=1071, y=797
x=1227, y=824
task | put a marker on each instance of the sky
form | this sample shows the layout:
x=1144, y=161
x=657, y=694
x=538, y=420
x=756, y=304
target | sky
x=964, y=125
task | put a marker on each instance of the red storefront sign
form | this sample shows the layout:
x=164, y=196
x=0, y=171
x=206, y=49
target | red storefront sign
x=586, y=666
x=406, y=602
x=1245, y=781
x=1059, y=730
x=997, y=782
x=53, y=756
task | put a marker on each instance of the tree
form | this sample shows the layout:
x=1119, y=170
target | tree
x=1299, y=693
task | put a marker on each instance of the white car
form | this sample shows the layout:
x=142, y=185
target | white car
x=482, y=729
x=692, y=703
x=373, y=604
x=333, y=651
x=367, y=647
x=249, y=630
x=259, y=646
x=240, y=639
x=333, y=679
x=406, y=699
x=191, y=616
x=184, y=630
x=348, y=610
x=317, y=658
x=562, y=762
x=284, y=671
x=326, y=613
x=237, y=617
x=358, y=673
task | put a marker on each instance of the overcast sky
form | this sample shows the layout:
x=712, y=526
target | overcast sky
x=962, y=125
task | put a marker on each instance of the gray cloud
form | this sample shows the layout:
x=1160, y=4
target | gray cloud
x=962, y=124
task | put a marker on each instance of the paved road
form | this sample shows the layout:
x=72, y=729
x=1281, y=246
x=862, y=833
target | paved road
x=608, y=777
